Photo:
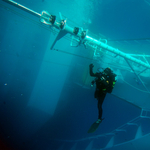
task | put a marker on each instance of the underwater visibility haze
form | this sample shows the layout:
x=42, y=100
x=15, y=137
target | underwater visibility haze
x=46, y=98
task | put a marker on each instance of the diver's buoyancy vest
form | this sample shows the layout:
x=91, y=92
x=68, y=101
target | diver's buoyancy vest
x=112, y=83
x=106, y=83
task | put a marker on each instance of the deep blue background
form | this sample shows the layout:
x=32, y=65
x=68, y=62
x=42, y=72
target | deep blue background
x=23, y=127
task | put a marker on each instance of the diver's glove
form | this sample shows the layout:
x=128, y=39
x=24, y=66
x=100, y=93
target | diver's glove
x=92, y=83
x=91, y=65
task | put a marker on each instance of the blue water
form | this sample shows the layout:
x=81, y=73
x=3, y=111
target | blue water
x=46, y=102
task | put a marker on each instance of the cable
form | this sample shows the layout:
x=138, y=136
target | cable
x=68, y=38
x=135, y=87
x=73, y=54
x=140, y=39
x=33, y=21
x=105, y=63
x=23, y=16
x=115, y=66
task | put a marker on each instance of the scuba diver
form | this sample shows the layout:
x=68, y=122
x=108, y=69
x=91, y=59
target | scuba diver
x=105, y=82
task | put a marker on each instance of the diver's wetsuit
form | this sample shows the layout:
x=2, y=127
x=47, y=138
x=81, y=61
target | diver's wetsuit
x=101, y=88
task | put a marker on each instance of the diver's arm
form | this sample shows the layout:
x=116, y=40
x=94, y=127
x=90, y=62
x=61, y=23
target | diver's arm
x=91, y=71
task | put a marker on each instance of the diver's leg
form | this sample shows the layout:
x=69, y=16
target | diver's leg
x=100, y=97
x=100, y=102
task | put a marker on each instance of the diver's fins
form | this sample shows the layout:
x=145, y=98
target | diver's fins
x=94, y=126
